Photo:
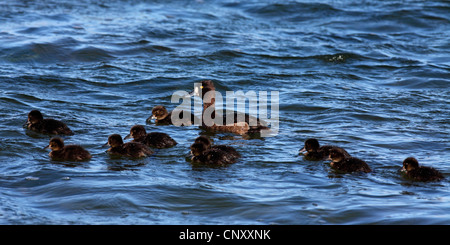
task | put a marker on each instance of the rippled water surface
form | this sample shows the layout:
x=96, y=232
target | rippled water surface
x=372, y=77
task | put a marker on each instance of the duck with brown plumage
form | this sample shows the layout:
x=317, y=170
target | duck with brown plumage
x=36, y=122
x=343, y=163
x=67, y=152
x=129, y=149
x=413, y=171
x=232, y=121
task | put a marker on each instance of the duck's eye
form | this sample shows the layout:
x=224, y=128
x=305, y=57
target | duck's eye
x=201, y=86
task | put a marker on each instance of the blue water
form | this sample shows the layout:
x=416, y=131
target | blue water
x=371, y=76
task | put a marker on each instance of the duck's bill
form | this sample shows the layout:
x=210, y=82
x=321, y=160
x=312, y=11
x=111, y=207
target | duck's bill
x=127, y=137
x=302, y=150
x=47, y=147
x=106, y=144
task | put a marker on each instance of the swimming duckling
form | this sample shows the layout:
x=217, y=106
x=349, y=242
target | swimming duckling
x=130, y=149
x=249, y=124
x=154, y=139
x=36, y=122
x=415, y=172
x=68, y=152
x=163, y=117
x=347, y=164
x=315, y=152
x=228, y=149
x=210, y=156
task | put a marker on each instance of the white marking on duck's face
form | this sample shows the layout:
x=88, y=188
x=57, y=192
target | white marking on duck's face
x=197, y=91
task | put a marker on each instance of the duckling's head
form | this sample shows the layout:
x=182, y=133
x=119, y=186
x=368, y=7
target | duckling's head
x=336, y=154
x=56, y=144
x=311, y=145
x=159, y=112
x=203, y=139
x=197, y=149
x=137, y=131
x=35, y=116
x=115, y=140
x=410, y=163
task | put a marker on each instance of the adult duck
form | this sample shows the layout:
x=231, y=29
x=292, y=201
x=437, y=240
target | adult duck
x=232, y=121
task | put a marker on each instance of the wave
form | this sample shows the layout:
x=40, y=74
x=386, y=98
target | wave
x=293, y=11
x=69, y=50
x=59, y=51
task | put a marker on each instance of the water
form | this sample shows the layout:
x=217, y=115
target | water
x=372, y=77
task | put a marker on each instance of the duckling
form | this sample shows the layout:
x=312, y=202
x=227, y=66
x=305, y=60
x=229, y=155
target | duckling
x=248, y=126
x=315, y=152
x=163, y=117
x=68, y=152
x=36, y=122
x=214, y=157
x=130, y=149
x=347, y=164
x=228, y=149
x=415, y=172
x=154, y=139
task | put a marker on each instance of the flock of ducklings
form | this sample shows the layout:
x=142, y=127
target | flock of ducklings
x=202, y=150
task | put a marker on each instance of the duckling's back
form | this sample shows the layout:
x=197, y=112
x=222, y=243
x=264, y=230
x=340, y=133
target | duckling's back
x=159, y=140
x=215, y=157
x=352, y=164
x=71, y=153
x=425, y=174
x=230, y=151
x=51, y=126
x=134, y=150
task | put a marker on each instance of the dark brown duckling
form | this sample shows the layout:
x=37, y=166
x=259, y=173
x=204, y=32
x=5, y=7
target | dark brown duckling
x=163, y=117
x=315, y=152
x=36, y=122
x=210, y=156
x=340, y=162
x=228, y=149
x=153, y=139
x=237, y=123
x=130, y=149
x=415, y=172
x=68, y=152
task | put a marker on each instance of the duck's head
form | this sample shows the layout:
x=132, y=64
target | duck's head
x=336, y=155
x=311, y=145
x=114, y=140
x=159, y=112
x=137, y=131
x=202, y=88
x=197, y=149
x=409, y=164
x=55, y=144
x=34, y=116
